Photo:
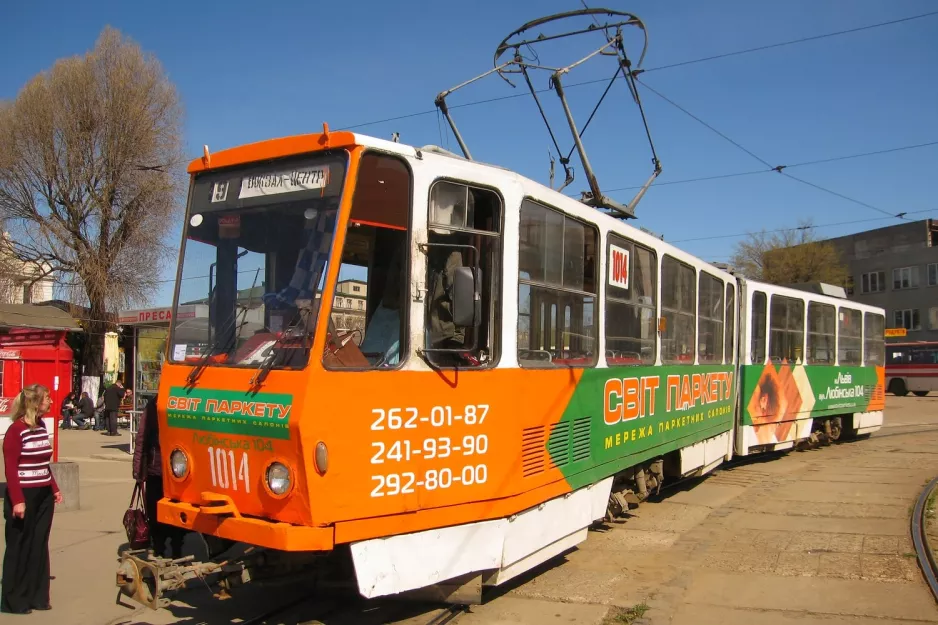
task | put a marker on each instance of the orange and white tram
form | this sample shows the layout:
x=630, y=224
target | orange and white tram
x=445, y=370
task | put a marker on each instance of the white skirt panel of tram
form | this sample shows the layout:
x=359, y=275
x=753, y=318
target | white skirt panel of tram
x=866, y=422
x=504, y=547
x=777, y=436
x=706, y=455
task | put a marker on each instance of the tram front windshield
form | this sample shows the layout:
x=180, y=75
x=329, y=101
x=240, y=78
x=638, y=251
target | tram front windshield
x=256, y=251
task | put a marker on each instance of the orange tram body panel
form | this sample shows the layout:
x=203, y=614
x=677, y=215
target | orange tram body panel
x=452, y=369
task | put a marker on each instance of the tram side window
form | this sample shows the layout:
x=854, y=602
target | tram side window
x=757, y=347
x=556, y=289
x=821, y=333
x=874, y=339
x=729, y=353
x=850, y=337
x=631, y=318
x=370, y=303
x=678, y=300
x=710, y=319
x=464, y=231
x=786, y=324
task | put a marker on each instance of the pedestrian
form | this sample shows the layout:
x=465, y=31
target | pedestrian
x=99, y=414
x=148, y=472
x=113, y=396
x=28, y=504
x=68, y=410
x=85, y=411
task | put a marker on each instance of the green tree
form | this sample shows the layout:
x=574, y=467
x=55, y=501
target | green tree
x=90, y=177
x=790, y=256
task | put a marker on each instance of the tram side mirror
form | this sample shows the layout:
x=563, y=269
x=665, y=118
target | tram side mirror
x=467, y=301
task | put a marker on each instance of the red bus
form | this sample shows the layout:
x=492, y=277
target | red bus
x=912, y=367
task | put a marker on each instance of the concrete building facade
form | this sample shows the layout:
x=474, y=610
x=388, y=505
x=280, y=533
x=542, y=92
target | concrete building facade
x=896, y=267
x=22, y=282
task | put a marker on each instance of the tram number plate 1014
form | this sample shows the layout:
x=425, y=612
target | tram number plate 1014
x=226, y=472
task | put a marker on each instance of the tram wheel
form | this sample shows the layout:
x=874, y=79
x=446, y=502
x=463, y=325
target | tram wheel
x=920, y=393
x=836, y=429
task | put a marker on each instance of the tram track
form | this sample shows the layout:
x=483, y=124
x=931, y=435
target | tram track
x=389, y=611
x=264, y=617
x=923, y=552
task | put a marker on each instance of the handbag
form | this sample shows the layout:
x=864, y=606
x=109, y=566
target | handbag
x=135, y=520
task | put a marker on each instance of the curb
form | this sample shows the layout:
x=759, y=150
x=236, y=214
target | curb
x=114, y=457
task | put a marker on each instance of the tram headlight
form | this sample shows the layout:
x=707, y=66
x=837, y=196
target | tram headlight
x=179, y=463
x=278, y=478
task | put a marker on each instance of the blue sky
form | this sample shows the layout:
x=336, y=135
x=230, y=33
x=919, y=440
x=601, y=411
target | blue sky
x=247, y=72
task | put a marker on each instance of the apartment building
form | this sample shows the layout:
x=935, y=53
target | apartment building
x=896, y=267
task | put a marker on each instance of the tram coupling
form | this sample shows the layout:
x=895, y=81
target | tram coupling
x=152, y=580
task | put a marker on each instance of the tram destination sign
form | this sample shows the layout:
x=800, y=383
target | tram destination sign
x=285, y=180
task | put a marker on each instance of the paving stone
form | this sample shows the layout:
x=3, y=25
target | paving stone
x=815, y=542
x=740, y=562
x=889, y=568
x=803, y=597
x=884, y=545
x=840, y=565
x=743, y=540
x=797, y=564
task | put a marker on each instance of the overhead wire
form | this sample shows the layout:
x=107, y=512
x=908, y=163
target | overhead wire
x=652, y=69
x=725, y=137
x=833, y=159
x=702, y=122
x=777, y=168
x=807, y=227
x=792, y=42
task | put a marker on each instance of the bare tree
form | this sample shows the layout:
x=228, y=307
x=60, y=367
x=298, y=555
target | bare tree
x=90, y=156
x=790, y=256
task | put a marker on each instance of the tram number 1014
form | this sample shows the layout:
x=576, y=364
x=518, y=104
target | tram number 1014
x=226, y=473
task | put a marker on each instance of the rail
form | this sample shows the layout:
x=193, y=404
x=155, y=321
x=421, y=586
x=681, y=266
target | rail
x=923, y=552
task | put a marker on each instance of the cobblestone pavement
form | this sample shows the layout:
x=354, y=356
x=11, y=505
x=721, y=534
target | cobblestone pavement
x=817, y=536
x=813, y=536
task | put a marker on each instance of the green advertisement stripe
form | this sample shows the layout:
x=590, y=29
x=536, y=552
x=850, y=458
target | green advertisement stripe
x=230, y=412
x=781, y=393
x=223, y=425
x=663, y=408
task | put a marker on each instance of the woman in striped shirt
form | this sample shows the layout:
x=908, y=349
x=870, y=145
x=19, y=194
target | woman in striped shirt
x=28, y=504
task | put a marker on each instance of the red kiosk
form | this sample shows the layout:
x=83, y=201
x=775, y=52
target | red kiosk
x=33, y=349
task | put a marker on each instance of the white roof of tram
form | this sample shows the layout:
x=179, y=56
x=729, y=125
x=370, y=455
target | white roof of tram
x=501, y=177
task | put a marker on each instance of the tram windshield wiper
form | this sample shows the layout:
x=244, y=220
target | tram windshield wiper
x=236, y=323
x=300, y=328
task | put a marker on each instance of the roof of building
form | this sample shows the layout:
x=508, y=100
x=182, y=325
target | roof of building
x=32, y=316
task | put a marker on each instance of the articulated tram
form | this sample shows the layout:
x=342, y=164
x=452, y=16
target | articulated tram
x=446, y=371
